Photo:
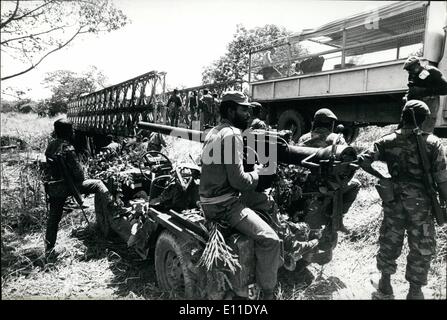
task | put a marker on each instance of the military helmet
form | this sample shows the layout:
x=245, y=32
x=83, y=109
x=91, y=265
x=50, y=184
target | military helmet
x=419, y=107
x=324, y=115
x=410, y=61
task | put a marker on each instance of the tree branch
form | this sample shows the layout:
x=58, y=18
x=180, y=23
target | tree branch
x=41, y=59
x=35, y=9
x=31, y=35
x=11, y=17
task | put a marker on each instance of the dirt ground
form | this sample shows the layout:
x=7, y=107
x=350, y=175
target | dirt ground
x=89, y=267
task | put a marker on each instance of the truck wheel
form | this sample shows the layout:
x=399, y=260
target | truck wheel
x=173, y=266
x=102, y=215
x=291, y=120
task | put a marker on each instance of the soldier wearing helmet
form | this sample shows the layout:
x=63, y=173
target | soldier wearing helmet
x=322, y=136
x=406, y=204
x=258, y=116
x=424, y=81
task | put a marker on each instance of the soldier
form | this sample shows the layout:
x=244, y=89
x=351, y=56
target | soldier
x=224, y=187
x=57, y=188
x=112, y=148
x=207, y=105
x=174, y=105
x=258, y=112
x=193, y=106
x=155, y=142
x=321, y=136
x=425, y=81
x=406, y=203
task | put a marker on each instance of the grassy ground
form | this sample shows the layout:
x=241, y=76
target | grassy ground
x=90, y=267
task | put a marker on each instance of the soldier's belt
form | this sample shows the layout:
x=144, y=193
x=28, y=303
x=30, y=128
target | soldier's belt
x=218, y=199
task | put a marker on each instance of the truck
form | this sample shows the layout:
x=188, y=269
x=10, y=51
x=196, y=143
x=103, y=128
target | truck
x=353, y=65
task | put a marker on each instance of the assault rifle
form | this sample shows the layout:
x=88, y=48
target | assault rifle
x=439, y=212
x=72, y=189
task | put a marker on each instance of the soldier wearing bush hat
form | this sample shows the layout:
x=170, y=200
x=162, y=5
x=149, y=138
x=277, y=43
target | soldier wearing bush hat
x=405, y=200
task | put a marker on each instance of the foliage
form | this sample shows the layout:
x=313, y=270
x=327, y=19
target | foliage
x=32, y=30
x=67, y=85
x=234, y=64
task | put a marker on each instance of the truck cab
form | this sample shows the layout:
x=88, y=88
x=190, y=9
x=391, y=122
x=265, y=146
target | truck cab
x=354, y=66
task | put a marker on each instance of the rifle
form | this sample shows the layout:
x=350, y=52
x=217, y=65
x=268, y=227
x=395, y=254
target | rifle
x=66, y=176
x=439, y=212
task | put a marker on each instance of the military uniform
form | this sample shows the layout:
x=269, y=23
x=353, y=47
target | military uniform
x=321, y=138
x=57, y=199
x=410, y=210
x=222, y=181
x=425, y=84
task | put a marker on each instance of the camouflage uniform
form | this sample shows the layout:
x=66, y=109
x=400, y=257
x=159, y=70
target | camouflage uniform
x=410, y=209
x=57, y=200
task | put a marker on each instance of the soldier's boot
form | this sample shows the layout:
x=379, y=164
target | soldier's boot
x=385, y=284
x=415, y=292
x=268, y=295
x=384, y=288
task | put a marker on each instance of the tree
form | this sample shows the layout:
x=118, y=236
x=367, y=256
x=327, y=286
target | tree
x=67, y=85
x=234, y=64
x=32, y=30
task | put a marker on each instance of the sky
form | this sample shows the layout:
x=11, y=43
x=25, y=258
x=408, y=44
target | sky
x=180, y=37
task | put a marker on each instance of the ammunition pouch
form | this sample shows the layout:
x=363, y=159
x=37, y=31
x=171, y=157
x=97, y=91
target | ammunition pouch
x=56, y=189
x=385, y=189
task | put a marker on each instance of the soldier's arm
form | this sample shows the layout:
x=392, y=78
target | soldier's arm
x=73, y=164
x=441, y=83
x=233, y=159
x=367, y=158
x=439, y=167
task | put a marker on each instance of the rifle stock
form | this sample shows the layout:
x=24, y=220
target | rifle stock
x=439, y=213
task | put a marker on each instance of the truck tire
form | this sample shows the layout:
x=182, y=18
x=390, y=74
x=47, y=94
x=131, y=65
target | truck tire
x=291, y=120
x=173, y=266
x=102, y=215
